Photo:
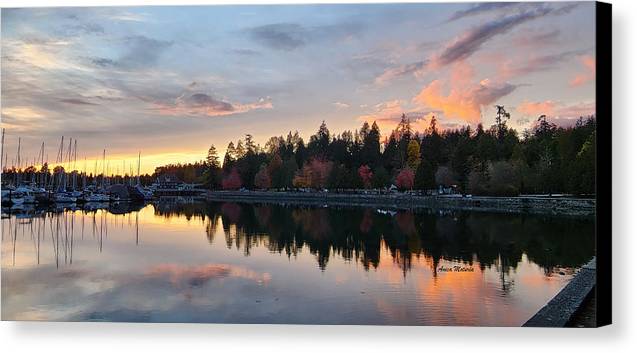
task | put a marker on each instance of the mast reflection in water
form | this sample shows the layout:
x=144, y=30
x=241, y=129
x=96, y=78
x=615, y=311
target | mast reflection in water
x=263, y=263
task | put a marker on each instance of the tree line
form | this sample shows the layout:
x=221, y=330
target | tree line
x=481, y=161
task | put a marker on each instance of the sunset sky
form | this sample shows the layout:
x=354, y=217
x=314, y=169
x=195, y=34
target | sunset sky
x=169, y=81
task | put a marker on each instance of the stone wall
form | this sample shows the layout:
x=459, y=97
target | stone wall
x=522, y=204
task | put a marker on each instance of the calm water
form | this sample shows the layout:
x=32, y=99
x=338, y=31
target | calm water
x=241, y=263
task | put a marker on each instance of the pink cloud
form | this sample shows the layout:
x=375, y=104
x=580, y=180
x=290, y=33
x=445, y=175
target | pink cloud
x=524, y=66
x=416, y=69
x=560, y=113
x=388, y=114
x=589, y=72
x=534, y=109
x=180, y=275
x=201, y=104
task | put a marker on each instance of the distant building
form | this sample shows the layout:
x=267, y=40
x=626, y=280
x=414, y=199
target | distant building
x=168, y=181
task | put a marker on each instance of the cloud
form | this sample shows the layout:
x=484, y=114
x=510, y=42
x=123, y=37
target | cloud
x=389, y=110
x=516, y=68
x=489, y=8
x=245, y=52
x=42, y=53
x=21, y=119
x=588, y=75
x=201, y=104
x=535, y=109
x=76, y=101
x=556, y=109
x=281, y=36
x=196, y=276
x=537, y=39
x=128, y=17
x=22, y=112
x=341, y=105
x=455, y=101
x=142, y=51
x=290, y=36
x=472, y=40
x=466, y=98
x=559, y=113
x=82, y=28
x=139, y=52
x=103, y=62
x=464, y=102
x=388, y=114
x=390, y=74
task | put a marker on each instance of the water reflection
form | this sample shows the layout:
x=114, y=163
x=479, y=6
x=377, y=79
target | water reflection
x=280, y=264
x=356, y=234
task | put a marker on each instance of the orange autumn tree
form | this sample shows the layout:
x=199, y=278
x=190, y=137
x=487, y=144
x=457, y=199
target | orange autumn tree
x=314, y=174
x=262, y=179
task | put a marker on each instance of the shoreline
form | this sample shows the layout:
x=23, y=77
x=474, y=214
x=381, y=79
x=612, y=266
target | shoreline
x=572, y=207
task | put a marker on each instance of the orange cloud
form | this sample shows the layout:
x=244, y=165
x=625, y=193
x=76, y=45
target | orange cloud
x=588, y=75
x=465, y=100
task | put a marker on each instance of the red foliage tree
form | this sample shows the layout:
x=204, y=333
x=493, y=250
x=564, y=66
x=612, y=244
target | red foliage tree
x=320, y=173
x=232, y=181
x=405, y=179
x=365, y=173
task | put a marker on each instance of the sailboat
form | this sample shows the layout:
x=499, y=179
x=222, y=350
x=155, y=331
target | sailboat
x=146, y=193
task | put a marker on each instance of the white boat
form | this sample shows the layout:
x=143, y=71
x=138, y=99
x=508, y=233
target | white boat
x=147, y=193
x=63, y=197
x=17, y=200
x=96, y=198
x=27, y=193
x=6, y=192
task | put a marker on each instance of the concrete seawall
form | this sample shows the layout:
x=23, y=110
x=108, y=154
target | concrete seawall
x=523, y=204
x=559, y=311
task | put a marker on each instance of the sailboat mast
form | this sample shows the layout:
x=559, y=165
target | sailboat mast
x=84, y=175
x=74, y=163
x=103, y=166
x=139, y=162
x=42, y=180
x=18, y=157
x=18, y=162
x=2, y=151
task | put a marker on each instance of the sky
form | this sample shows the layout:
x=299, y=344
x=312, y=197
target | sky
x=170, y=81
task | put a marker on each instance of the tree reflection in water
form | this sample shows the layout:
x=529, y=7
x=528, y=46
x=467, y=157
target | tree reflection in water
x=357, y=234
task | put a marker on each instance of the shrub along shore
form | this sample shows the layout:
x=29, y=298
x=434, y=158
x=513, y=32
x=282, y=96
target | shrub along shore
x=560, y=206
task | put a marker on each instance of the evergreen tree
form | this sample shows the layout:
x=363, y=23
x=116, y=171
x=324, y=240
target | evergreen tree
x=212, y=176
x=425, y=176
